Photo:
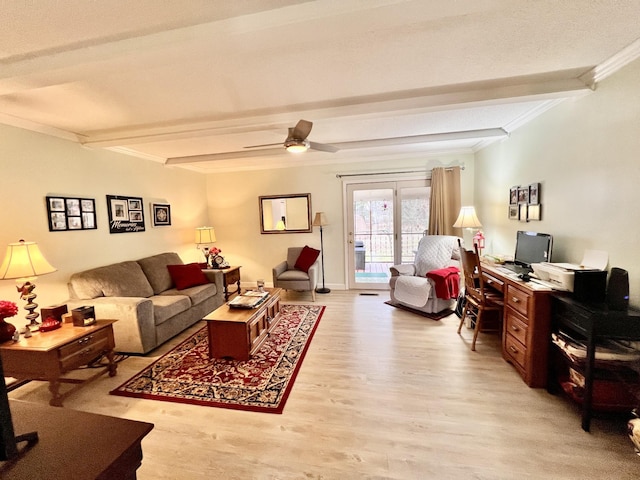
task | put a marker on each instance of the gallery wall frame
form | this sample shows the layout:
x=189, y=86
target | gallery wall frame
x=71, y=213
x=161, y=214
x=524, y=203
x=125, y=214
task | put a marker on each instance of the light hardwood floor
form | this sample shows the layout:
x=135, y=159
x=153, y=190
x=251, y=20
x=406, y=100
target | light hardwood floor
x=382, y=394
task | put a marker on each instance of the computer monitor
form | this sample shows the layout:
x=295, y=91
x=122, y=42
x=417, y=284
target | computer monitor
x=532, y=247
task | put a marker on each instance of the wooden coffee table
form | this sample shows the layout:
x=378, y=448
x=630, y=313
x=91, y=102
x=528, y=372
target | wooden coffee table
x=49, y=355
x=238, y=333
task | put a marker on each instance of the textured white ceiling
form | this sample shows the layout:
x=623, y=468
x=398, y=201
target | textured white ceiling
x=199, y=77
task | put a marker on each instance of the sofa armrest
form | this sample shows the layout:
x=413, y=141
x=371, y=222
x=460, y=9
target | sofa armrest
x=135, y=329
x=279, y=269
x=216, y=277
x=404, y=269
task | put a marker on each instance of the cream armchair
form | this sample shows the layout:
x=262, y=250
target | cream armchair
x=414, y=285
x=286, y=276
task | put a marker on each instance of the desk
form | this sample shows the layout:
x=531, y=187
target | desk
x=593, y=322
x=74, y=444
x=526, y=327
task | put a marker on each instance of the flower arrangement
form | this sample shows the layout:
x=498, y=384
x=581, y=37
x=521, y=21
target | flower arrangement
x=8, y=309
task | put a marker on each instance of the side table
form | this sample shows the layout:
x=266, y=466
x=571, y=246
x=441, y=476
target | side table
x=49, y=355
x=231, y=275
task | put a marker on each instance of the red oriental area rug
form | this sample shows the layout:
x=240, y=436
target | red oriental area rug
x=262, y=384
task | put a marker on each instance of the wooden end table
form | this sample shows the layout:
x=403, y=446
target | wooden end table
x=239, y=333
x=230, y=275
x=49, y=355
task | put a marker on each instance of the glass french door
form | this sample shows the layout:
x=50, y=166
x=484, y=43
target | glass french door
x=385, y=222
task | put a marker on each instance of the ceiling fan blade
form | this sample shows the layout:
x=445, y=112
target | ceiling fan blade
x=225, y=156
x=301, y=130
x=264, y=145
x=323, y=147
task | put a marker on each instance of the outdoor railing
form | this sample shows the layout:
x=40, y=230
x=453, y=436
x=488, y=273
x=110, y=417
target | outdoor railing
x=379, y=246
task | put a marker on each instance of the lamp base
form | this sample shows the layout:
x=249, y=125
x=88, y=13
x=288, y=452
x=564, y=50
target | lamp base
x=323, y=290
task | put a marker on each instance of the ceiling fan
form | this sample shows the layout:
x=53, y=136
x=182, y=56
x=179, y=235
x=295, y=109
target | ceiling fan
x=297, y=141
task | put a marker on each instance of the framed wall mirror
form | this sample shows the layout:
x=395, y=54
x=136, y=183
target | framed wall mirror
x=285, y=213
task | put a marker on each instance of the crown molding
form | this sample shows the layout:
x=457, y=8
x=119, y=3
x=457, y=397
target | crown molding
x=611, y=65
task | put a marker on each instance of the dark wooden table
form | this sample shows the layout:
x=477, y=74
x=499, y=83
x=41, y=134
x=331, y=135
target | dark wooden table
x=74, y=445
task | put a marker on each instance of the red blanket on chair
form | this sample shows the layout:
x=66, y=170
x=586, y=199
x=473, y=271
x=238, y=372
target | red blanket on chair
x=447, y=281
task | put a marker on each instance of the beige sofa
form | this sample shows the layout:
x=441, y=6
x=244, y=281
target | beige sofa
x=142, y=296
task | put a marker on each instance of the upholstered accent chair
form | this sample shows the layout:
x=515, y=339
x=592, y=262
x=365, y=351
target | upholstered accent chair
x=288, y=277
x=431, y=283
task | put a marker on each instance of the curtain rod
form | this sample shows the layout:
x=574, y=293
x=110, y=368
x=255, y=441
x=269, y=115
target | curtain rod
x=340, y=175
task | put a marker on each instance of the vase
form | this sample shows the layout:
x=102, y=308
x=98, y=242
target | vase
x=6, y=330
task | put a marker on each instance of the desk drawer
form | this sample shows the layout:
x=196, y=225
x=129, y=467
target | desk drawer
x=493, y=282
x=518, y=300
x=515, y=350
x=516, y=328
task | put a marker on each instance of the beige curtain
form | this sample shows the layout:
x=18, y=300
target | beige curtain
x=445, y=201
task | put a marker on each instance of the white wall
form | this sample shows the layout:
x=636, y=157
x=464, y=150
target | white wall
x=586, y=154
x=234, y=211
x=33, y=166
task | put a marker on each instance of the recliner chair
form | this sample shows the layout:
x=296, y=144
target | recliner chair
x=435, y=269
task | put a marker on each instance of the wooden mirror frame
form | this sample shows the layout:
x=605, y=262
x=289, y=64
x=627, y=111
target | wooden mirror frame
x=295, y=208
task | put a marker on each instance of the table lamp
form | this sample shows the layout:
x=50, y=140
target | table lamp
x=467, y=218
x=24, y=262
x=205, y=236
x=320, y=220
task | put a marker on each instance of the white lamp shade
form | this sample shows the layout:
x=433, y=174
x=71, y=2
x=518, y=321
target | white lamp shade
x=320, y=220
x=467, y=218
x=205, y=235
x=24, y=260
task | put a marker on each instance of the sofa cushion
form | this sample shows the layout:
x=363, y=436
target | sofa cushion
x=167, y=306
x=155, y=268
x=185, y=276
x=125, y=279
x=197, y=294
x=308, y=257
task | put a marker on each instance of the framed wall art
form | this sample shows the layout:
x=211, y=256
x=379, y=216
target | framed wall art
x=522, y=216
x=513, y=212
x=125, y=214
x=534, y=194
x=523, y=194
x=161, y=213
x=513, y=195
x=533, y=212
x=71, y=213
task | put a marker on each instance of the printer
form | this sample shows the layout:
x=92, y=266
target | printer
x=587, y=281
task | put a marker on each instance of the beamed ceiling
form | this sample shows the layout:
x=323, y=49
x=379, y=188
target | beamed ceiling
x=192, y=83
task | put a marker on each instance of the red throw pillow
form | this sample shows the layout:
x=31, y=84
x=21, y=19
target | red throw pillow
x=307, y=257
x=185, y=276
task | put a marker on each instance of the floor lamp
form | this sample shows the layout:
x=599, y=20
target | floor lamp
x=320, y=220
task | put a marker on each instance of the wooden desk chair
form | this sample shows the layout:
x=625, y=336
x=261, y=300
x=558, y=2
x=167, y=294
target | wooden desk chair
x=478, y=298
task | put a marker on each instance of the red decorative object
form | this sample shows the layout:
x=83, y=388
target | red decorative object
x=50, y=324
x=307, y=257
x=7, y=309
x=185, y=276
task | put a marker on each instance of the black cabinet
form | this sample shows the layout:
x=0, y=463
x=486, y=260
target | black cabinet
x=590, y=324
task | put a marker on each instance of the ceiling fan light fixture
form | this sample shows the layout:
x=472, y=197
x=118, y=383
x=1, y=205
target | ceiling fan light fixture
x=295, y=145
